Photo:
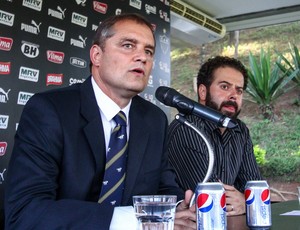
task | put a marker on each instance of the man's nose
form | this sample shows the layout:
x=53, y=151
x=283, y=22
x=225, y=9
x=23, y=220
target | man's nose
x=140, y=55
x=233, y=94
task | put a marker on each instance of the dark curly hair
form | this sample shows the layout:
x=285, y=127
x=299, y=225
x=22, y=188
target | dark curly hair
x=206, y=73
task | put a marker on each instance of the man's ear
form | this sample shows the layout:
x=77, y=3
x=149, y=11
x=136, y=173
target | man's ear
x=95, y=55
x=202, y=91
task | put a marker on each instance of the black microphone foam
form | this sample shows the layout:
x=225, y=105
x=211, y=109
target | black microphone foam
x=171, y=97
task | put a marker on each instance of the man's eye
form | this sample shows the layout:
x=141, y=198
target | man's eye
x=224, y=86
x=149, y=52
x=128, y=45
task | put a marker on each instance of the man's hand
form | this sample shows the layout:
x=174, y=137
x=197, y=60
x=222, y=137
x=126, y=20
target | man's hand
x=185, y=217
x=235, y=201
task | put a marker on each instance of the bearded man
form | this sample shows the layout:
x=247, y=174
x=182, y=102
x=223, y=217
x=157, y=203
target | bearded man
x=221, y=82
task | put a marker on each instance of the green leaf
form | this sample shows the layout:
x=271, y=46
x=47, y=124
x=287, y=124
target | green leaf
x=268, y=81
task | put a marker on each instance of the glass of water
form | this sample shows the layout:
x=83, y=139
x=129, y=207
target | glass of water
x=155, y=212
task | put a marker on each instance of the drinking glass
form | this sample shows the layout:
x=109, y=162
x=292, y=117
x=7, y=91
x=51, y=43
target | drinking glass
x=155, y=212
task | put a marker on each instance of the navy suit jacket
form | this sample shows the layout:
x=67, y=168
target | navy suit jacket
x=57, y=164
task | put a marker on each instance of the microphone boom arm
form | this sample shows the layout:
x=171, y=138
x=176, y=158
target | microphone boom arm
x=211, y=156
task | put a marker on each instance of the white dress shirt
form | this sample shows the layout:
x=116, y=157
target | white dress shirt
x=108, y=109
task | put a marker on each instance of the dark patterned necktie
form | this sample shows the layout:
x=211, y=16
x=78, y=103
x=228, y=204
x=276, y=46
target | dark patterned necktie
x=115, y=168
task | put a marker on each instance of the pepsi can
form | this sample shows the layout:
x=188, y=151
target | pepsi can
x=211, y=206
x=258, y=204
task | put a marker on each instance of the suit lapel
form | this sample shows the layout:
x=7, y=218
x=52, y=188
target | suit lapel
x=93, y=129
x=138, y=140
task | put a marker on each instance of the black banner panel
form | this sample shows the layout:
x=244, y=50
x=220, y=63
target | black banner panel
x=45, y=45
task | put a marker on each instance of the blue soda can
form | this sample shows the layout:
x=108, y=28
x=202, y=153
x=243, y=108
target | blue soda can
x=211, y=206
x=258, y=204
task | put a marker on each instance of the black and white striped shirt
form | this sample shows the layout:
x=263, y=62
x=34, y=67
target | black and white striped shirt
x=234, y=164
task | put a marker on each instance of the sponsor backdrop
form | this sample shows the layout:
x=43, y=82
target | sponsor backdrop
x=45, y=45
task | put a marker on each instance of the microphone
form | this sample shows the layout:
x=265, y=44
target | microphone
x=171, y=97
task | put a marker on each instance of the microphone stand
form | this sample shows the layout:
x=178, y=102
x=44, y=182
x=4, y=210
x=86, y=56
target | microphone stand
x=211, y=156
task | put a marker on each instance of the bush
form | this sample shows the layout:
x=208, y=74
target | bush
x=297, y=153
x=260, y=155
x=282, y=169
x=266, y=82
x=280, y=140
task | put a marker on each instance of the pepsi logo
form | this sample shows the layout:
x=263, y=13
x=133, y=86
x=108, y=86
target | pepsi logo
x=265, y=196
x=249, y=196
x=204, y=202
x=223, y=202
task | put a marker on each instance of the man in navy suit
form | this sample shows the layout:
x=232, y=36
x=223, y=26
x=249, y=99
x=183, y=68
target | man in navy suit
x=58, y=161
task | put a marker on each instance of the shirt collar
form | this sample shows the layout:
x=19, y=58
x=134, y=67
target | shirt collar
x=107, y=106
x=213, y=127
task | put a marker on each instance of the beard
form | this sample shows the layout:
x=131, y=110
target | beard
x=210, y=103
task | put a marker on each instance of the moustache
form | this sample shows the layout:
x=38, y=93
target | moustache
x=229, y=103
